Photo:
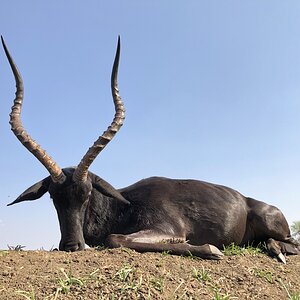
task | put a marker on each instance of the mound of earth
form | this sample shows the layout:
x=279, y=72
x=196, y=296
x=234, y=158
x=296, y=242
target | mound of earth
x=126, y=274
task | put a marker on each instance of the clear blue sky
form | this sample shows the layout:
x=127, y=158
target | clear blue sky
x=211, y=88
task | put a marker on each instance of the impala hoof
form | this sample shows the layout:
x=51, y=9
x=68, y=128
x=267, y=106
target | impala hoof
x=281, y=258
x=215, y=252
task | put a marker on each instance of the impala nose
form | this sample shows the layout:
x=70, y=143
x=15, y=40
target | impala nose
x=71, y=247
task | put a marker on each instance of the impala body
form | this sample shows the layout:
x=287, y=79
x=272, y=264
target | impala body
x=155, y=214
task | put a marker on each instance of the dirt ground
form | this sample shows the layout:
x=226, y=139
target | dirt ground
x=126, y=274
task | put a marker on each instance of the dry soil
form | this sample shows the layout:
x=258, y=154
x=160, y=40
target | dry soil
x=126, y=274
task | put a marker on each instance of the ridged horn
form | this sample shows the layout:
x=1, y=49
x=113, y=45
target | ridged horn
x=16, y=126
x=81, y=171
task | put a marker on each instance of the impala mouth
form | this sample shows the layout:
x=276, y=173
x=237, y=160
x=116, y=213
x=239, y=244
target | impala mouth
x=71, y=247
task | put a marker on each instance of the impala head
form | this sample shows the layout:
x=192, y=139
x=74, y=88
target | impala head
x=70, y=188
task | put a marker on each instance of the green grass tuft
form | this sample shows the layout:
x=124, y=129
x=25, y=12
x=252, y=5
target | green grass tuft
x=201, y=275
x=234, y=249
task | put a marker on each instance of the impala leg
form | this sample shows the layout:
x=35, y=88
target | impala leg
x=290, y=247
x=275, y=250
x=278, y=248
x=149, y=241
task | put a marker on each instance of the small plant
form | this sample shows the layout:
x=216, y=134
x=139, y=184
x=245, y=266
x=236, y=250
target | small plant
x=124, y=273
x=178, y=287
x=126, y=276
x=291, y=296
x=218, y=296
x=191, y=256
x=295, y=296
x=99, y=247
x=27, y=295
x=165, y=253
x=183, y=294
x=69, y=281
x=133, y=285
x=234, y=249
x=16, y=248
x=265, y=274
x=53, y=249
x=157, y=283
x=92, y=276
x=201, y=275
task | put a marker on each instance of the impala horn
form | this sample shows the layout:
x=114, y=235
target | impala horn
x=55, y=171
x=81, y=172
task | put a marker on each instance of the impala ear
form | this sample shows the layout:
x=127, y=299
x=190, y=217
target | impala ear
x=106, y=189
x=34, y=192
